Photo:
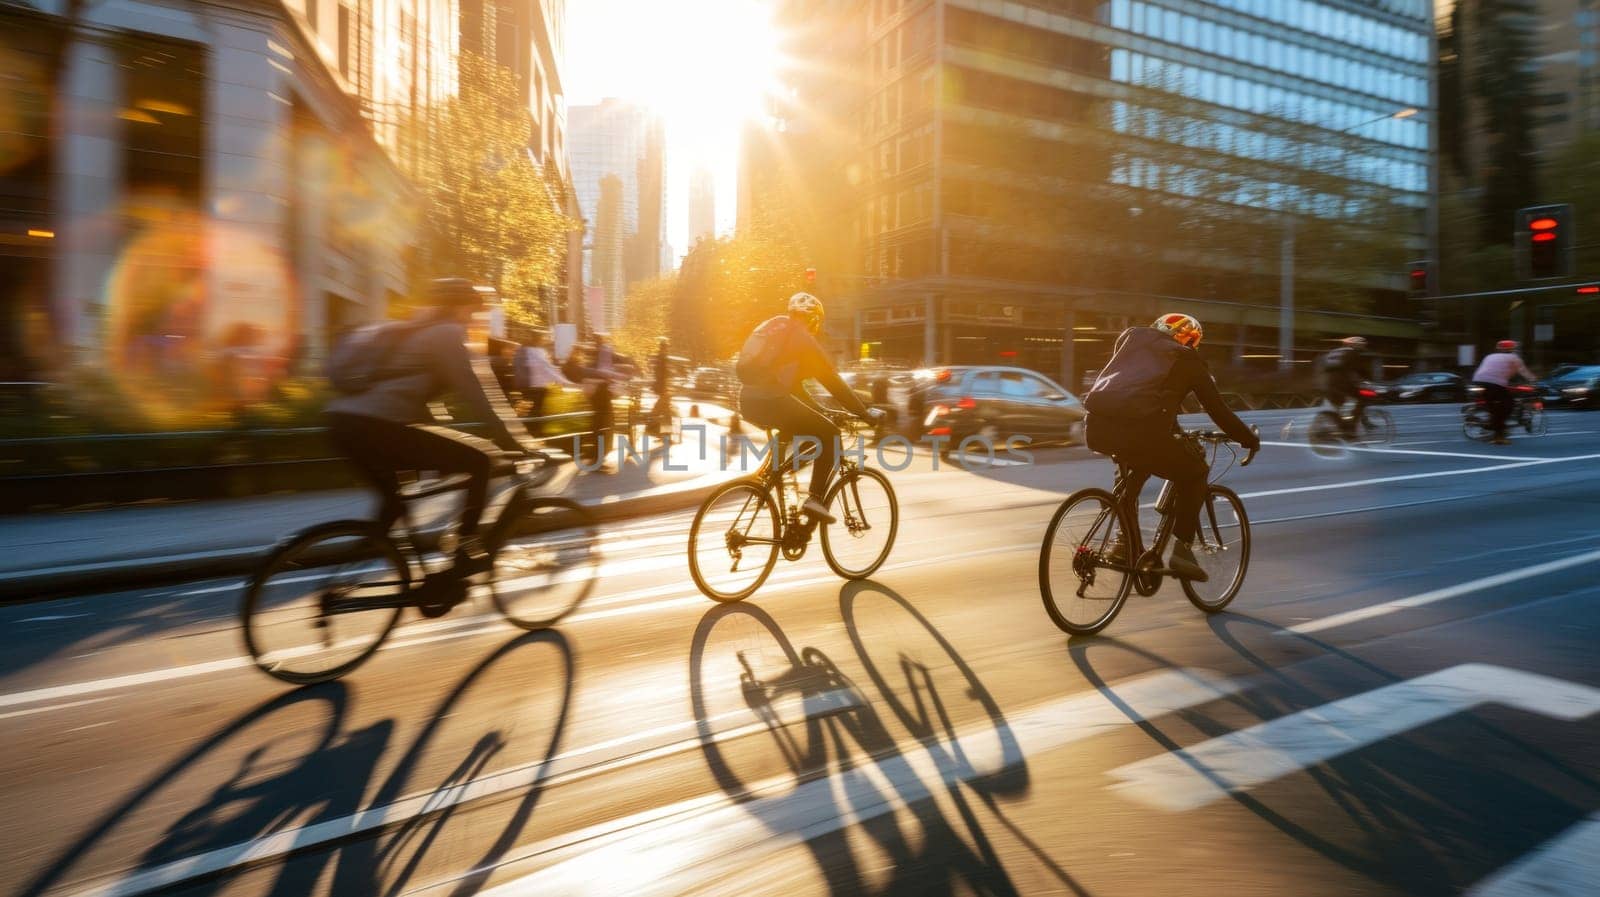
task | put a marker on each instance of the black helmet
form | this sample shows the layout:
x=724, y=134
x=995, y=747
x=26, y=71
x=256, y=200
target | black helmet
x=454, y=292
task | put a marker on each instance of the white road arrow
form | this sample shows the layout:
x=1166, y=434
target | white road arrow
x=1187, y=779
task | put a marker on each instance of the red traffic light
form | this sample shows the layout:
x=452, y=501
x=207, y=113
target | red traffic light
x=1544, y=236
x=1589, y=289
x=811, y=276
x=1543, y=224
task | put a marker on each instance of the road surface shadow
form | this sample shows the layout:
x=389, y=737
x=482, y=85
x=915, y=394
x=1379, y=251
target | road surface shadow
x=840, y=762
x=1419, y=811
x=293, y=777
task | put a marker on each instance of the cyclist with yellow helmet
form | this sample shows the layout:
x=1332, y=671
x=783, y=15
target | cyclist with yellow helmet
x=1133, y=414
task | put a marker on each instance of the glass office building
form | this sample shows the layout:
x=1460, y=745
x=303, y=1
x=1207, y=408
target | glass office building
x=1016, y=160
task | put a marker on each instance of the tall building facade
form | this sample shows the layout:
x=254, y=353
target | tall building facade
x=625, y=141
x=1025, y=173
x=702, y=206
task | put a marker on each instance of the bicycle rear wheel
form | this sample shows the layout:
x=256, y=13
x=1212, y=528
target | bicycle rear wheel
x=1084, y=569
x=1475, y=424
x=733, y=544
x=1222, y=548
x=322, y=604
x=867, y=518
x=541, y=578
x=1376, y=427
x=1326, y=434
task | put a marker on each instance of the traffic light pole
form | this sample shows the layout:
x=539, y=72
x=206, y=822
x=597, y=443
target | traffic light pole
x=1286, y=297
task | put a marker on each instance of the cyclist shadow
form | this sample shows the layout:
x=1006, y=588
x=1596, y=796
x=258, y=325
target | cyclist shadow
x=842, y=762
x=1419, y=838
x=302, y=767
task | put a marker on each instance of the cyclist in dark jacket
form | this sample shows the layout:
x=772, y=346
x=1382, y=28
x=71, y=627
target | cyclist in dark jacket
x=387, y=428
x=779, y=356
x=1133, y=414
x=1343, y=370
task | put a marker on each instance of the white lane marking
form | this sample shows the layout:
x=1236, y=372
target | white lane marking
x=467, y=627
x=653, y=852
x=1196, y=776
x=1375, y=481
x=1574, y=433
x=51, y=618
x=1568, y=864
x=52, y=707
x=1395, y=451
x=1487, y=582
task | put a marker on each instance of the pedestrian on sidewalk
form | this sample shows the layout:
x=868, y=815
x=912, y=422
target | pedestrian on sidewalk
x=536, y=373
x=661, y=413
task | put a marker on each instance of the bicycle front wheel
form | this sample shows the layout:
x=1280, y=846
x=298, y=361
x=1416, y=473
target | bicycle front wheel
x=540, y=579
x=1222, y=548
x=1085, y=570
x=867, y=516
x=733, y=544
x=1377, y=427
x=322, y=604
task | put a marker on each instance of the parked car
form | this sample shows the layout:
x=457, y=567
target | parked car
x=996, y=402
x=1431, y=386
x=1579, y=387
x=709, y=383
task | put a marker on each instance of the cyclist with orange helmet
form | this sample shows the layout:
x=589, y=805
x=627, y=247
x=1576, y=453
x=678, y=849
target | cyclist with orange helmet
x=1494, y=375
x=1133, y=414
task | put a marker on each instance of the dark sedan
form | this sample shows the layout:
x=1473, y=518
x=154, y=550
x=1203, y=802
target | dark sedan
x=1577, y=388
x=996, y=403
x=1431, y=386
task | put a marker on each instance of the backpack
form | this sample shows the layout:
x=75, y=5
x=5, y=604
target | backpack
x=360, y=360
x=763, y=350
x=1133, y=383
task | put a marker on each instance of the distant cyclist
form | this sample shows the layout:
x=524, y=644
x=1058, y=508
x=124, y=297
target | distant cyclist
x=778, y=357
x=1494, y=375
x=386, y=427
x=1343, y=371
x=1133, y=415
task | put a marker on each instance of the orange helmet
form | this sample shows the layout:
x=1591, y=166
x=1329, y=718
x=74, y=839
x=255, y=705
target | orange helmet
x=1181, y=327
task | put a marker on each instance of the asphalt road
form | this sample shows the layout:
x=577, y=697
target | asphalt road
x=1404, y=699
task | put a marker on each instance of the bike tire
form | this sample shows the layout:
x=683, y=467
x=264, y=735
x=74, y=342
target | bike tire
x=1376, y=427
x=1475, y=425
x=1325, y=434
x=1212, y=542
x=1101, y=507
x=850, y=480
x=754, y=491
x=362, y=540
x=548, y=590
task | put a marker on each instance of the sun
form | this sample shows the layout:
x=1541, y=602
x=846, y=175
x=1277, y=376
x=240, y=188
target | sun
x=712, y=66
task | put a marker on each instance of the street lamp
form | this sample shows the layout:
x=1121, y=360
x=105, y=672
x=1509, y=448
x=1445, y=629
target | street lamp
x=1286, y=262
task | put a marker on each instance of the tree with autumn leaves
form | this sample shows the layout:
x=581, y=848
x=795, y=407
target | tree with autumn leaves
x=492, y=213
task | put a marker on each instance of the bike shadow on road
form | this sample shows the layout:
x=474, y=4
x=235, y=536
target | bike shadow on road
x=304, y=765
x=875, y=816
x=1408, y=811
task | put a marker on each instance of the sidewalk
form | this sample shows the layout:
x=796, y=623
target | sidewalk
x=51, y=554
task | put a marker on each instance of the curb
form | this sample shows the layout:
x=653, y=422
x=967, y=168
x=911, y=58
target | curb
x=27, y=586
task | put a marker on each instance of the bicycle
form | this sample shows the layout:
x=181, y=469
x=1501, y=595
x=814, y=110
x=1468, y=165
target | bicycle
x=328, y=597
x=1330, y=428
x=1528, y=413
x=1092, y=545
x=748, y=522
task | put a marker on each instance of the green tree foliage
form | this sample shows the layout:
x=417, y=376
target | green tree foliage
x=492, y=214
x=726, y=287
x=646, y=316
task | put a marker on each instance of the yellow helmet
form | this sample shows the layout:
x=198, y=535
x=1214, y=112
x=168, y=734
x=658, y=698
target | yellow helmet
x=1181, y=327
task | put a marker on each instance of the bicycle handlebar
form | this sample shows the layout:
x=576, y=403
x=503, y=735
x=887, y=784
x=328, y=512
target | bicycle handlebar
x=1217, y=437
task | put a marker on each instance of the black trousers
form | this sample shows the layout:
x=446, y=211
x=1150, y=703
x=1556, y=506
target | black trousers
x=379, y=448
x=1501, y=404
x=535, y=397
x=1148, y=451
x=604, y=419
x=793, y=419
